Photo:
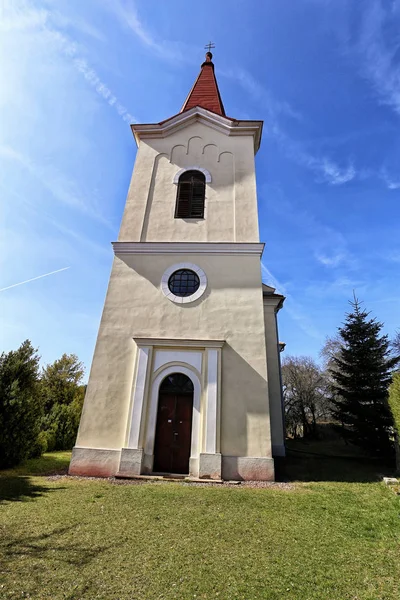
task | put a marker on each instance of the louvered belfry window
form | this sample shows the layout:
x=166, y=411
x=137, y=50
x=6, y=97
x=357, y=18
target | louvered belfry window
x=190, y=195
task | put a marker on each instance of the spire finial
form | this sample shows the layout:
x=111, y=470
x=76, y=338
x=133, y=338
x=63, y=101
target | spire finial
x=209, y=53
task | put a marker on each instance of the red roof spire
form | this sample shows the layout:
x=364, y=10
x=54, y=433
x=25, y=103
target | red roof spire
x=205, y=92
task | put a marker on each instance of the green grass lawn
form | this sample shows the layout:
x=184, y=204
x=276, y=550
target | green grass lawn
x=86, y=539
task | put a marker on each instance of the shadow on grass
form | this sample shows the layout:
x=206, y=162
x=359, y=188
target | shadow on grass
x=52, y=546
x=51, y=463
x=308, y=467
x=21, y=488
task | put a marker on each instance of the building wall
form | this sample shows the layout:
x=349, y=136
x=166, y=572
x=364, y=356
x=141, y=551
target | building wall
x=231, y=309
x=274, y=379
x=231, y=201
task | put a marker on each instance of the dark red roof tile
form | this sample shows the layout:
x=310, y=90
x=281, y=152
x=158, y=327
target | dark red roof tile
x=205, y=92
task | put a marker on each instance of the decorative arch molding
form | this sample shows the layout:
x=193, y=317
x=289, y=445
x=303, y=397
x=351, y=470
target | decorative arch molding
x=153, y=406
x=206, y=173
x=225, y=153
x=194, y=145
x=177, y=153
x=177, y=364
x=211, y=145
x=211, y=151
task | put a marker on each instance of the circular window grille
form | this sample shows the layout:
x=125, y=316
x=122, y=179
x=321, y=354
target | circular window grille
x=184, y=282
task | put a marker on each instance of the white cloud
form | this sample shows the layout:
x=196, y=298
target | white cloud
x=41, y=34
x=329, y=246
x=33, y=279
x=325, y=168
x=62, y=189
x=22, y=15
x=336, y=175
x=331, y=261
x=23, y=202
x=261, y=94
x=127, y=14
x=391, y=183
x=101, y=88
x=376, y=50
x=271, y=279
x=393, y=256
x=291, y=306
x=341, y=286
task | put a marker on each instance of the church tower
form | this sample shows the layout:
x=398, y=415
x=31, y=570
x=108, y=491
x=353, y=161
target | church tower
x=185, y=376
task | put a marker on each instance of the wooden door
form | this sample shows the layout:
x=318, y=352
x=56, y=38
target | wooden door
x=174, y=427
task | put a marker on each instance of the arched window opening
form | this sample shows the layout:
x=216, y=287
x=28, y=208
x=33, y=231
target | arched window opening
x=190, y=196
x=176, y=383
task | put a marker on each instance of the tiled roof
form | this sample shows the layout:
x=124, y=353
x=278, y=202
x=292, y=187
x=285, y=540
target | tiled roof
x=205, y=92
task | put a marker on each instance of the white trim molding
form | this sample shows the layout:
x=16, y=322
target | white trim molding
x=163, y=356
x=193, y=358
x=183, y=299
x=212, y=401
x=138, y=396
x=206, y=173
x=178, y=343
x=226, y=248
x=197, y=113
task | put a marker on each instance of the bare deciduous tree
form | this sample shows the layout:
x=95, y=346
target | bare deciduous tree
x=304, y=391
x=396, y=343
x=330, y=350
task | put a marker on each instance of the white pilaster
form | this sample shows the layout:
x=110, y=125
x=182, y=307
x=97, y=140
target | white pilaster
x=138, y=396
x=212, y=401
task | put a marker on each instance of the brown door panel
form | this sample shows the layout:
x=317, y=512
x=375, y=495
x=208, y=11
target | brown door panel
x=173, y=433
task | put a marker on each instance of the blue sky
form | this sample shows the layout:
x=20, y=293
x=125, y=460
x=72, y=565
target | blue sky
x=323, y=75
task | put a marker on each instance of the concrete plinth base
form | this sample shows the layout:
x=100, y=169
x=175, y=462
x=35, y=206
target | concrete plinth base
x=248, y=468
x=94, y=462
x=210, y=466
x=131, y=461
x=104, y=462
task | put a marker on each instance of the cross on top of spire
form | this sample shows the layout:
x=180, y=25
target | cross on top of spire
x=209, y=46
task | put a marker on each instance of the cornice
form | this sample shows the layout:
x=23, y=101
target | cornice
x=213, y=120
x=174, y=343
x=226, y=248
x=275, y=300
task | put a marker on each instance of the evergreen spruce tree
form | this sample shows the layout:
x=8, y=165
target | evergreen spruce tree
x=361, y=374
x=21, y=407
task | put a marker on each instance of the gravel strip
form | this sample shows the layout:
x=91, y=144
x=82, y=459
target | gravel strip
x=277, y=485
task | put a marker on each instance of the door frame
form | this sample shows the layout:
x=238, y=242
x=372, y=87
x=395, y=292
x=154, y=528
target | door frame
x=153, y=409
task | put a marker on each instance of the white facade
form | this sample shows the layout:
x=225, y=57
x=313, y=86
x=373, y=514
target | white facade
x=223, y=337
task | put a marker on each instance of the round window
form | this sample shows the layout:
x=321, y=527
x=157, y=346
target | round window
x=184, y=282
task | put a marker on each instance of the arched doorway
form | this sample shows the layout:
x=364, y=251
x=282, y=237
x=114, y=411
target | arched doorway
x=174, y=425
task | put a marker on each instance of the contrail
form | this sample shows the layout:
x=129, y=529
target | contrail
x=34, y=278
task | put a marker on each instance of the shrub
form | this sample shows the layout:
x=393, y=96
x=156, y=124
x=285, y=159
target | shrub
x=21, y=406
